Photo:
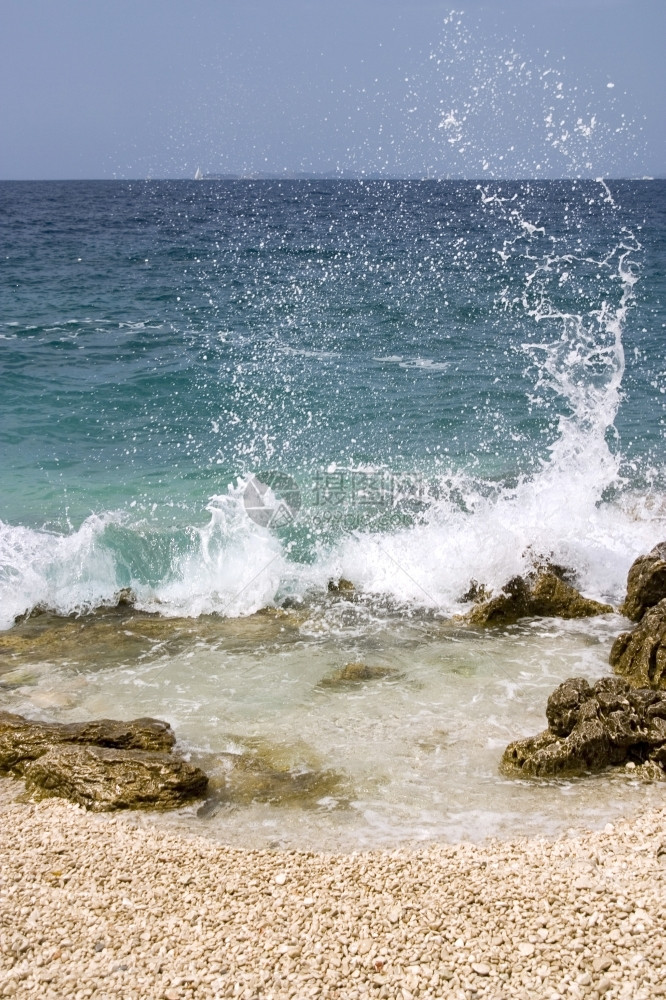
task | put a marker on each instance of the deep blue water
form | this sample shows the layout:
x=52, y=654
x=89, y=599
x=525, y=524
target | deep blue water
x=410, y=354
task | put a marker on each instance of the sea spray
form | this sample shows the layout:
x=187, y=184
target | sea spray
x=492, y=436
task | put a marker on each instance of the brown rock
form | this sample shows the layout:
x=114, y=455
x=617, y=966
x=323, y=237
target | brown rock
x=285, y=775
x=103, y=764
x=593, y=727
x=545, y=594
x=23, y=740
x=564, y=705
x=640, y=656
x=646, y=583
x=357, y=673
x=101, y=779
x=340, y=586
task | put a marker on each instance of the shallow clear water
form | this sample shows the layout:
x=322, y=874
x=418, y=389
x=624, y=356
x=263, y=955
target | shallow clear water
x=406, y=757
x=221, y=396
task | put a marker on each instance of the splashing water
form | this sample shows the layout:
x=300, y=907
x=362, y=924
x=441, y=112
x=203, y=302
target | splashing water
x=454, y=379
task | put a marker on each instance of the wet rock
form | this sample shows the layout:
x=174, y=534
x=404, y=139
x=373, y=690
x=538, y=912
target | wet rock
x=340, y=586
x=122, y=632
x=101, y=779
x=23, y=740
x=22, y=677
x=104, y=764
x=124, y=598
x=476, y=592
x=640, y=655
x=542, y=595
x=646, y=583
x=289, y=775
x=591, y=728
x=357, y=673
x=564, y=705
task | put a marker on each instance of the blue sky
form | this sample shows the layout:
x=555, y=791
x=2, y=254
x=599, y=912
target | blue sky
x=138, y=88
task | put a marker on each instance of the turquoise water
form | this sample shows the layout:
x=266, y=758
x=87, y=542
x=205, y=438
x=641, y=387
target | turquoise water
x=406, y=352
x=223, y=395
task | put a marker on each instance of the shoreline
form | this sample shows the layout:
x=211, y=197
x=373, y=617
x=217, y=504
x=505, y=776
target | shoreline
x=110, y=905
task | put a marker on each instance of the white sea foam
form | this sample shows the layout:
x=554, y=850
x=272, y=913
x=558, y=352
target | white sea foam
x=63, y=573
x=233, y=568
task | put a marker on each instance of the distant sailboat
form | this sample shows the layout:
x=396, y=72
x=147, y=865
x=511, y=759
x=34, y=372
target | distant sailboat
x=198, y=176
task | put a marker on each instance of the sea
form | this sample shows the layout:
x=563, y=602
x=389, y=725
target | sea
x=256, y=433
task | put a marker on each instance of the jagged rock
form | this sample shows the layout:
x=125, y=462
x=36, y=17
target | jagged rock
x=125, y=598
x=340, y=586
x=646, y=583
x=475, y=593
x=356, y=673
x=640, y=655
x=104, y=764
x=543, y=595
x=23, y=740
x=591, y=728
x=101, y=779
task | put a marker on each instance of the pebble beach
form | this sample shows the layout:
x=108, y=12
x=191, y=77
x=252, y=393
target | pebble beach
x=115, y=906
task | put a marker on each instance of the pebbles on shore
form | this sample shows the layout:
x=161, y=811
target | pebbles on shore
x=98, y=906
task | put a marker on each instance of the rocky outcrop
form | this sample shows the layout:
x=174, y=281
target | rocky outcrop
x=543, y=595
x=22, y=740
x=103, y=764
x=646, y=583
x=591, y=727
x=101, y=779
x=341, y=586
x=640, y=655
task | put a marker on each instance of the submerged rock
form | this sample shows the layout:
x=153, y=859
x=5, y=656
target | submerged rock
x=543, y=595
x=591, y=727
x=288, y=775
x=101, y=779
x=122, y=632
x=640, y=655
x=340, y=586
x=104, y=764
x=357, y=673
x=646, y=583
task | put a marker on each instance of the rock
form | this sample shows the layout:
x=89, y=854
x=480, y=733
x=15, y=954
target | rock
x=340, y=586
x=22, y=740
x=640, y=656
x=123, y=633
x=124, y=598
x=544, y=594
x=646, y=583
x=104, y=764
x=591, y=728
x=101, y=779
x=288, y=775
x=564, y=704
x=526, y=949
x=476, y=592
x=357, y=673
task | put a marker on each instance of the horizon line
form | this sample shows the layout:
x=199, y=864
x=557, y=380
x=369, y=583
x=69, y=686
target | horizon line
x=302, y=176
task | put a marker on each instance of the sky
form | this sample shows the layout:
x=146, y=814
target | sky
x=392, y=88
